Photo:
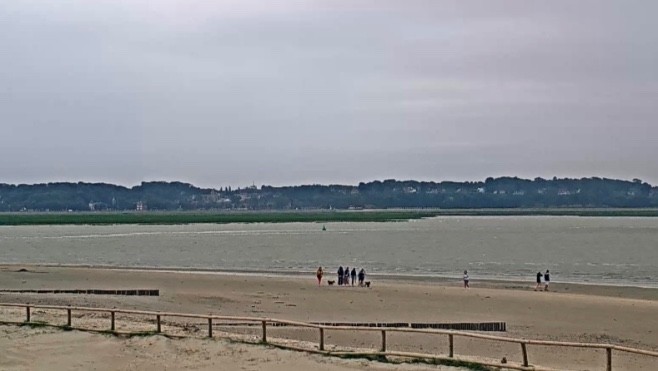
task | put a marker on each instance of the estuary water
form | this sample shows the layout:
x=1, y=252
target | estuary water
x=615, y=250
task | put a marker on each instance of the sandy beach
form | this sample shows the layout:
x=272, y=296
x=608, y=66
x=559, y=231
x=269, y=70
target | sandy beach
x=585, y=313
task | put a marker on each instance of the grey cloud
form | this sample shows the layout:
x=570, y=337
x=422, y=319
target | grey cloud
x=234, y=92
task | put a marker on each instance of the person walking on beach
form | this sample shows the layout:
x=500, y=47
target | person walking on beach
x=466, y=280
x=346, y=276
x=353, y=275
x=319, y=274
x=547, y=280
x=340, y=275
x=362, y=277
x=538, y=287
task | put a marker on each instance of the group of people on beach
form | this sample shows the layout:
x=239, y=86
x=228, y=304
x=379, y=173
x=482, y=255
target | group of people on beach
x=547, y=280
x=345, y=276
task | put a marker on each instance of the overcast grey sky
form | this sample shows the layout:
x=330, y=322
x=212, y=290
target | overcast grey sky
x=221, y=93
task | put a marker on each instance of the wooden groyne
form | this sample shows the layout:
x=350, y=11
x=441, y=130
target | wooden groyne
x=469, y=326
x=136, y=292
x=383, y=351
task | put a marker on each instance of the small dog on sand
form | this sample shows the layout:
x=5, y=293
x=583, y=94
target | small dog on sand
x=331, y=282
x=367, y=283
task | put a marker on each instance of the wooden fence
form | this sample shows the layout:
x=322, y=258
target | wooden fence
x=382, y=351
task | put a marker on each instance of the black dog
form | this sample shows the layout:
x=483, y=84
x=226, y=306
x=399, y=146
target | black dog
x=367, y=283
x=331, y=282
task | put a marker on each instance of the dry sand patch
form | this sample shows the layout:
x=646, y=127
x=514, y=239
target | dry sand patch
x=51, y=349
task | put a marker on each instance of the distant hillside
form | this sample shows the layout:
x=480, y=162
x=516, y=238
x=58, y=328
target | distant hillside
x=505, y=192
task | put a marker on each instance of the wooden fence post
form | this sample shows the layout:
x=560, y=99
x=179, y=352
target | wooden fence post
x=609, y=354
x=452, y=346
x=112, y=326
x=209, y=327
x=321, y=338
x=27, y=312
x=264, y=331
x=525, y=355
x=68, y=316
x=383, y=340
x=159, y=326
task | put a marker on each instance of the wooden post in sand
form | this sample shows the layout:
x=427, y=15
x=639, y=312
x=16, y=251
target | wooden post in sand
x=383, y=340
x=27, y=313
x=68, y=316
x=112, y=327
x=264, y=331
x=525, y=355
x=159, y=327
x=609, y=354
x=321, y=338
x=209, y=326
x=452, y=346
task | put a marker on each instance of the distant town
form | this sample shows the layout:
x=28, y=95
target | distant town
x=503, y=192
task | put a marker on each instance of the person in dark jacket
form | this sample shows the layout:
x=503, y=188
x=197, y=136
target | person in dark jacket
x=353, y=274
x=340, y=275
x=539, y=276
x=362, y=277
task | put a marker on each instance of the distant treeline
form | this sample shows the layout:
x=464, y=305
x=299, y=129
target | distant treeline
x=499, y=193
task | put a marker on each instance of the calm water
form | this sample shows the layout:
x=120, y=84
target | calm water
x=575, y=249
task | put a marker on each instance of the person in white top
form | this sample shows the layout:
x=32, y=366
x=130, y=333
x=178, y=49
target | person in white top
x=466, y=279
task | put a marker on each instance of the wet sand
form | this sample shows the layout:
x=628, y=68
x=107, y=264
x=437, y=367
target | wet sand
x=585, y=313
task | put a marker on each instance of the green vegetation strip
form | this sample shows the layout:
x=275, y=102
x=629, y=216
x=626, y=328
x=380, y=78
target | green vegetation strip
x=219, y=218
x=295, y=217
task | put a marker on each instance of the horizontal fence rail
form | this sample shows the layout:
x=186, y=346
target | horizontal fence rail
x=323, y=327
